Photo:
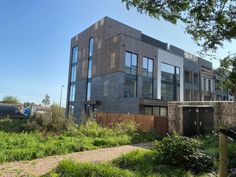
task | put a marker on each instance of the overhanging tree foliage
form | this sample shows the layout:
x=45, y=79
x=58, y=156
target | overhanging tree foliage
x=209, y=22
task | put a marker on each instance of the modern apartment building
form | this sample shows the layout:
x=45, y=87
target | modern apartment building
x=116, y=68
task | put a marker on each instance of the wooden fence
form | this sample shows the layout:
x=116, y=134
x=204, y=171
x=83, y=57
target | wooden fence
x=144, y=122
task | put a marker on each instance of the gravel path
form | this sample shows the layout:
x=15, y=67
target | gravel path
x=41, y=166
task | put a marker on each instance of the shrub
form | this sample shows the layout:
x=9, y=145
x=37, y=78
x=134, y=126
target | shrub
x=92, y=129
x=69, y=168
x=184, y=152
x=125, y=127
x=53, y=120
x=12, y=125
x=138, y=160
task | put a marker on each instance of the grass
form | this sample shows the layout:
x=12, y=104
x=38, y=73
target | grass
x=18, y=145
x=70, y=168
x=143, y=162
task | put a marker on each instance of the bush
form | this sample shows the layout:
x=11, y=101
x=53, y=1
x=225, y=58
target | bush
x=184, y=152
x=69, y=168
x=12, y=125
x=138, y=160
x=125, y=127
x=53, y=120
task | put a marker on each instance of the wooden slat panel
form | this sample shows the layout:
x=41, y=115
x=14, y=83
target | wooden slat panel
x=144, y=122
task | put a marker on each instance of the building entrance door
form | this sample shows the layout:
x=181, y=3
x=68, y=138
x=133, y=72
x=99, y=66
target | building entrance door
x=197, y=120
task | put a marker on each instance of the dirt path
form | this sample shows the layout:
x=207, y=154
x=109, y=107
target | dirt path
x=41, y=166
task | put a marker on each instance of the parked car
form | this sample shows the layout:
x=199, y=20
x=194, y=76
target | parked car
x=11, y=112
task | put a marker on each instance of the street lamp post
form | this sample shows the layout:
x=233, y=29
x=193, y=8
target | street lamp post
x=61, y=94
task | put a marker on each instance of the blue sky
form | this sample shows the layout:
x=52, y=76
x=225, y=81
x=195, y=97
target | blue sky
x=35, y=41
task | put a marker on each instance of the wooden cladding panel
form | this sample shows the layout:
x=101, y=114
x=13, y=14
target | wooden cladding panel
x=144, y=122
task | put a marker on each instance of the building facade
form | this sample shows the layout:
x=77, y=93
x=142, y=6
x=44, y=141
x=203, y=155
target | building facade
x=116, y=68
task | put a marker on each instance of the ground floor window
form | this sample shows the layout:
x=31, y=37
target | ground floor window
x=155, y=110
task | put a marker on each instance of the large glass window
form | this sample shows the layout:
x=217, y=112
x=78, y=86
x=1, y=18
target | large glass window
x=72, y=93
x=147, y=87
x=75, y=54
x=91, y=47
x=130, y=86
x=89, y=90
x=147, y=77
x=73, y=73
x=131, y=63
x=130, y=82
x=147, y=67
x=170, y=82
x=90, y=69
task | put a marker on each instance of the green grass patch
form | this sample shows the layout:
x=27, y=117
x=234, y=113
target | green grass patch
x=71, y=169
x=17, y=144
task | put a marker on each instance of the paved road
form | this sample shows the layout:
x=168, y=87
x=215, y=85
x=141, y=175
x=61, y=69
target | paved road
x=41, y=166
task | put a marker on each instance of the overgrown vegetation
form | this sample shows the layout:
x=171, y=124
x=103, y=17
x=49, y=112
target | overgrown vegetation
x=52, y=133
x=70, y=168
x=211, y=147
x=174, y=156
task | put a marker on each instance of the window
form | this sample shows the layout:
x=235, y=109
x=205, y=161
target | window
x=170, y=82
x=187, y=76
x=130, y=82
x=147, y=78
x=196, y=78
x=130, y=86
x=73, y=73
x=156, y=111
x=187, y=95
x=90, y=69
x=75, y=54
x=147, y=87
x=147, y=67
x=209, y=85
x=148, y=110
x=91, y=47
x=218, y=98
x=88, y=90
x=71, y=110
x=163, y=111
x=195, y=96
x=72, y=93
x=90, y=65
x=131, y=63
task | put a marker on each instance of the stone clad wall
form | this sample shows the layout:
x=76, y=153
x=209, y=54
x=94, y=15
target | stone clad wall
x=224, y=114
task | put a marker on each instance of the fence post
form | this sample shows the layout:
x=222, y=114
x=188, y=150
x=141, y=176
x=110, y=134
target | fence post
x=223, y=171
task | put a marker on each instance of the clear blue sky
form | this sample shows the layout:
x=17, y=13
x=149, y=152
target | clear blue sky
x=35, y=41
